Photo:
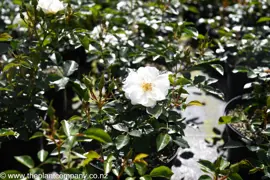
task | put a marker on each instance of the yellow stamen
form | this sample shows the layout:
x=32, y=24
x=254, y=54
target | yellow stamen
x=146, y=87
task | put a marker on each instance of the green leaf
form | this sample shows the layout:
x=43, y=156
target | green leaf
x=115, y=172
x=51, y=160
x=199, y=79
x=8, y=132
x=241, y=69
x=225, y=119
x=108, y=164
x=66, y=127
x=181, y=142
x=36, y=135
x=207, y=164
x=42, y=155
x=161, y=171
x=130, y=178
x=107, y=167
x=182, y=81
x=101, y=83
x=9, y=66
x=223, y=164
x=254, y=170
x=88, y=82
x=218, y=68
x=235, y=176
x=121, y=141
x=36, y=171
x=120, y=127
x=5, y=37
x=191, y=31
x=85, y=42
x=162, y=141
x=136, y=133
x=25, y=160
x=146, y=177
x=193, y=9
x=263, y=19
x=18, y=2
x=129, y=171
x=155, y=111
x=60, y=83
x=205, y=177
x=75, y=118
x=140, y=156
x=70, y=67
x=47, y=40
x=194, y=103
x=98, y=134
x=90, y=156
x=141, y=168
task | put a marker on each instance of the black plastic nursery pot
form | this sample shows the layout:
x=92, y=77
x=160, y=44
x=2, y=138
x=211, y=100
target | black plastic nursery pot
x=235, y=143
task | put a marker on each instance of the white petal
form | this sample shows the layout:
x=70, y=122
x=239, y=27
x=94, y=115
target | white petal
x=136, y=96
x=150, y=103
x=132, y=79
x=162, y=83
x=148, y=73
x=158, y=94
x=129, y=89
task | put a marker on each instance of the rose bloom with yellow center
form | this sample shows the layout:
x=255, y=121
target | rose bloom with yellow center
x=146, y=86
x=50, y=6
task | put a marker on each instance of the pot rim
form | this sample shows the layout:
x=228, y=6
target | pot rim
x=242, y=137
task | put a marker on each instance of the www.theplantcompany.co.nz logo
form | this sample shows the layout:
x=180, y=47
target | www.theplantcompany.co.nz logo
x=4, y=175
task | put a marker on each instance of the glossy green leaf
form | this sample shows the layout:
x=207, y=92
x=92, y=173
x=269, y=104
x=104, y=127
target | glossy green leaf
x=218, y=68
x=108, y=164
x=141, y=168
x=140, y=156
x=70, y=67
x=161, y=171
x=121, y=141
x=235, y=176
x=205, y=177
x=146, y=177
x=98, y=134
x=90, y=156
x=42, y=155
x=129, y=171
x=162, y=141
x=66, y=127
x=194, y=103
x=25, y=160
x=207, y=164
x=120, y=127
x=155, y=111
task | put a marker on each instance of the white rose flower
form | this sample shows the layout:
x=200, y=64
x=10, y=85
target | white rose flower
x=146, y=86
x=50, y=6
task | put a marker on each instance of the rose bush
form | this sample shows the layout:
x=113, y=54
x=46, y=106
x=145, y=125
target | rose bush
x=101, y=84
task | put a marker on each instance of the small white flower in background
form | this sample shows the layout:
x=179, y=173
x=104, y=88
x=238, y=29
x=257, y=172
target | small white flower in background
x=50, y=6
x=146, y=86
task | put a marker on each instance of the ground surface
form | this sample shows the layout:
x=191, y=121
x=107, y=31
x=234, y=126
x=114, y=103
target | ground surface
x=205, y=118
